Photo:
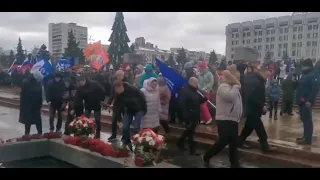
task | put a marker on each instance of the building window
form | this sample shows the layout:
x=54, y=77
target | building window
x=273, y=31
x=308, y=43
x=237, y=35
x=299, y=44
x=267, y=46
x=295, y=29
x=315, y=35
x=244, y=34
x=248, y=34
x=309, y=35
x=294, y=37
x=280, y=46
x=268, y=31
x=300, y=36
x=255, y=40
x=294, y=45
x=313, y=53
x=273, y=39
x=237, y=42
x=279, y=54
x=256, y=33
x=259, y=47
x=314, y=43
x=285, y=45
x=285, y=37
x=232, y=56
x=260, y=33
x=280, y=30
x=315, y=27
x=267, y=39
x=248, y=41
x=272, y=46
x=309, y=27
x=280, y=38
x=243, y=41
x=259, y=39
x=293, y=53
x=286, y=30
x=300, y=28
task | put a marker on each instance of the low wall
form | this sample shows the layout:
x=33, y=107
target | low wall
x=71, y=154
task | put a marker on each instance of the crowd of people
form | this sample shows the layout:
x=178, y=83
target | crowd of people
x=140, y=96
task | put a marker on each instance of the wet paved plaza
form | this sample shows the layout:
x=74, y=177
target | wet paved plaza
x=10, y=128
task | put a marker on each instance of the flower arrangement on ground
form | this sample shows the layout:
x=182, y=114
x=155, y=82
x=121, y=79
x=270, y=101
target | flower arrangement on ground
x=98, y=146
x=82, y=126
x=147, y=147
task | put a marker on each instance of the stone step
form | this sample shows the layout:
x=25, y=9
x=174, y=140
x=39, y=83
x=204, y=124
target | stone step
x=293, y=157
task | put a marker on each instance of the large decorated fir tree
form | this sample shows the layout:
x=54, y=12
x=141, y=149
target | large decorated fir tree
x=20, y=53
x=119, y=41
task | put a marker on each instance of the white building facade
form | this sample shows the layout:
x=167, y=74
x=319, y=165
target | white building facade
x=58, y=37
x=152, y=54
x=296, y=35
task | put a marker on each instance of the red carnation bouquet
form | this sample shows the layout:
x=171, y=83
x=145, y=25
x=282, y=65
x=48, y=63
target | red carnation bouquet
x=82, y=126
x=147, y=147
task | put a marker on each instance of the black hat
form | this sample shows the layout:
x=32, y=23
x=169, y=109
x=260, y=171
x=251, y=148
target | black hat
x=80, y=77
x=307, y=62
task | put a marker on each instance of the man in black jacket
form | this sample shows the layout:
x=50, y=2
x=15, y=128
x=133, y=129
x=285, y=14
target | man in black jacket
x=55, y=93
x=255, y=106
x=92, y=93
x=116, y=112
x=132, y=102
x=190, y=101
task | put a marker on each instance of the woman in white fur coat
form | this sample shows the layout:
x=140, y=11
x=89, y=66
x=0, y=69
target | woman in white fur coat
x=151, y=118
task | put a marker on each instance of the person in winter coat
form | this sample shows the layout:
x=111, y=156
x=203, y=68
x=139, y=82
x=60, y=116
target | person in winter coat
x=165, y=96
x=31, y=103
x=282, y=73
x=229, y=111
x=148, y=74
x=274, y=96
x=92, y=93
x=206, y=82
x=188, y=70
x=307, y=90
x=254, y=104
x=151, y=119
x=132, y=102
x=55, y=93
x=288, y=86
x=117, y=110
x=190, y=101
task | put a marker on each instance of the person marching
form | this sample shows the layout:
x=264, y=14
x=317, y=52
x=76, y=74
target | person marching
x=228, y=114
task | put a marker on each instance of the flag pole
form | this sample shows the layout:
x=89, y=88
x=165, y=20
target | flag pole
x=207, y=100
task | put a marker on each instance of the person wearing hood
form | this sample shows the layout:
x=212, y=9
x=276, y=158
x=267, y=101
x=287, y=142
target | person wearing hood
x=190, y=101
x=151, y=119
x=188, y=70
x=288, y=87
x=165, y=96
x=147, y=74
x=274, y=96
x=138, y=73
x=206, y=82
x=228, y=114
x=55, y=93
x=282, y=73
x=306, y=94
x=31, y=103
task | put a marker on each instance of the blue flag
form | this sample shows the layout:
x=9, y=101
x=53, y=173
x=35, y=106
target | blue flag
x=174, y=81
x=43, y=69
x=63, y=64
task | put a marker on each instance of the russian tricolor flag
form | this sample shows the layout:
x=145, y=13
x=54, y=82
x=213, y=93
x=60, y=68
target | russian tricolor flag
x=24, y=66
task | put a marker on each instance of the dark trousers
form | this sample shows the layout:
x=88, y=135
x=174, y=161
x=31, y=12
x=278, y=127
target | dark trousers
x=286, y=107
x=253, y=122
x=228, y=135
x=188, y=134
x=53, y=110
x=273, y=105
x=306, y=118
x=69, y=120
x=27, y=128
x=127, y=121
x=165, y=125
x=174, y=110
x=97, y=118
x=116, y=116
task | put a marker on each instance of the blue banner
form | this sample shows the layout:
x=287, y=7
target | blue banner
x=174, y=81
x=63, y=64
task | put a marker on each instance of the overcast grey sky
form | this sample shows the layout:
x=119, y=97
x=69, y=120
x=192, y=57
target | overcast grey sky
x=192, y=30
